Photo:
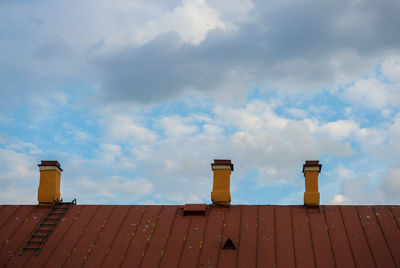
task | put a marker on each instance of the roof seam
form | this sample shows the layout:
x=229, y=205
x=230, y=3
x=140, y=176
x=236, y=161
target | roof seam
x=203, y=236
x=275, y=251
x=347, y=235
x=62, y=237
x=394, y=217
x=131, y=241
x=383, y=234
x=98, y=235
x=169, y=235
x=115, y=236
x=185, y=239
x=148, y=242
x=221, y=239
x=329, y=237
x=239, y=237
x=311, y=237
x=80, y=237
x=257, y=225
x=292, y=230
x=366, y=238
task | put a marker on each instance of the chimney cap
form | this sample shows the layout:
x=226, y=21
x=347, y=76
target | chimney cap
x=312, y=163
x=222, y=162
x=50, y=163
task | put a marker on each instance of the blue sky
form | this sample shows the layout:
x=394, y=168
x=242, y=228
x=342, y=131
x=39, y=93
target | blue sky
x=136, y=98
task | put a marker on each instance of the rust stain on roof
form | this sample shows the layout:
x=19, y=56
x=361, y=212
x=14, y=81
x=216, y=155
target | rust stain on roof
x=162, y=236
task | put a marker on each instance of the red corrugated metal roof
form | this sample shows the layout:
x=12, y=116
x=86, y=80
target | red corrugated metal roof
x=162, y=236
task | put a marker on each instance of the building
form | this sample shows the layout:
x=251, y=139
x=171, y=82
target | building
x=197, y=235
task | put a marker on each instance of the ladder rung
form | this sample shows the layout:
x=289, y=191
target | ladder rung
x=43, y=230
x=39, y=236
x=52, y=219
x=47, y=224
x=36, y=242
x=31, y=248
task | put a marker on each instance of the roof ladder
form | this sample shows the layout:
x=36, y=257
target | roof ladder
x=46, y=227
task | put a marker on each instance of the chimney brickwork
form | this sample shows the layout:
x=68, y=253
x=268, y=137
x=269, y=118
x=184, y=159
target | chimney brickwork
x=49, y=186
x=311, y=170
x=221, y=181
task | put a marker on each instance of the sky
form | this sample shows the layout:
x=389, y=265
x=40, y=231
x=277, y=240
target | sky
x=136, y=99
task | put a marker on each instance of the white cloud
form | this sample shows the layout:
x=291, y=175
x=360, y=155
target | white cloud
x=233, y=12
x=386, y=113
x=191, y=20
x=298, y=113
x=253, y=136
x=391, y=69
x=382, y=141
x=255, y=115
x=356, y=191
x=270, y=175
x=109, y=152
x=390, y=150
x=96, y=54
x=390, y=186
x=101, y=190
x=77, y=134
x=125, y=128
x=370, y=93
x=339, y=130
x=176, y=125
x=17, y=145
x=81, y=135
x=371, y=137
x=361, y=189
x=15, y=165
x=339, y=199
x=374, y=92
x=19, y=177
x=345, y=173
x=177, y=165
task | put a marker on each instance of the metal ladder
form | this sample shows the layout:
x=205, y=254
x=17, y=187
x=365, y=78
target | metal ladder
x=46, y=227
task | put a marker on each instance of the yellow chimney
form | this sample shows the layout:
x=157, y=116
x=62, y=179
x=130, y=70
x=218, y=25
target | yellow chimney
x=49, y=186
x=311, y=169
x=221, y=194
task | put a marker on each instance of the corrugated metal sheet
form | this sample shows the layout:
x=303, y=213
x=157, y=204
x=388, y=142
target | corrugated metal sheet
x=162, y=236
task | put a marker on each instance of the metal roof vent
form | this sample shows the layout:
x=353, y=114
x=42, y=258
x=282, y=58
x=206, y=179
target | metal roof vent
x=229, y=244
x=194, y=209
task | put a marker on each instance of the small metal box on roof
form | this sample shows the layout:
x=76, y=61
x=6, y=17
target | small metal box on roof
x=194, y=209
